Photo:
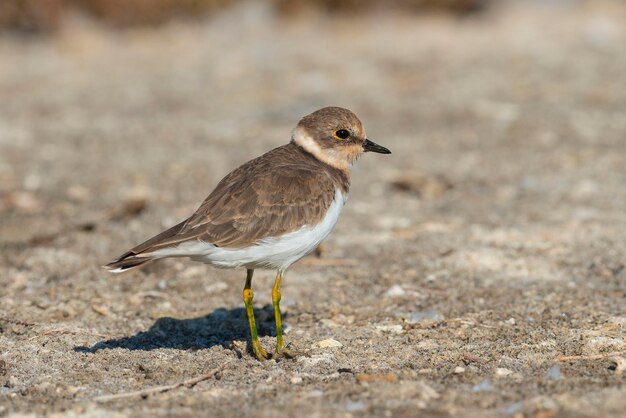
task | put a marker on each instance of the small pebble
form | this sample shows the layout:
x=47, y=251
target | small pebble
x=101, y=309
x=315, y=359
x=395, y=291
x=459, y=370
x=395, y=329
x=13, y=382
x=329, y=343
x=296, y=379
x=216, y=287
x=23, y=201
x=484, y=386
x=554, y=373
x=72, y=390
x=502, y=372
x=430, y=315
x=78, y=193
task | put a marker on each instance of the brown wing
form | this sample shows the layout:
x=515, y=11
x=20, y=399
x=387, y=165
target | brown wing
x=276, y=193
x=266, y=197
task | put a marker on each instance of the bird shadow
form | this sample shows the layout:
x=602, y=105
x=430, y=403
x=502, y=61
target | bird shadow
x=221, y=327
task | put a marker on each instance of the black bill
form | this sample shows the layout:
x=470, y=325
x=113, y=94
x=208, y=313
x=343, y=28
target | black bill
x=374, y=147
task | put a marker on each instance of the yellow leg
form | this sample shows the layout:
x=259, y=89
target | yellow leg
x=280, y=344
x=281, y=351
x=248, y=296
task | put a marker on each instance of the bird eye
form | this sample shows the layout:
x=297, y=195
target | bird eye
x=342, y=134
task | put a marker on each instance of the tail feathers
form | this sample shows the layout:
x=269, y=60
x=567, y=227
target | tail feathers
x=138, y=256
x=126, y=262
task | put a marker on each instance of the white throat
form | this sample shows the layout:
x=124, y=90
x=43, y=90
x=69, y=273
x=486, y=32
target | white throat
x=327, y=155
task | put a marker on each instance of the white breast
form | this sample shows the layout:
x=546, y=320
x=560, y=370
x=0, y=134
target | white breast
x=272, y=253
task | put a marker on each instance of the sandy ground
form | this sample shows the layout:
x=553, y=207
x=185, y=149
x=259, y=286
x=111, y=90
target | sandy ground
x=477, y=271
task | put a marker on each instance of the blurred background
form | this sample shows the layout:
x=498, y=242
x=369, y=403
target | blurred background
x=502, y=204
x=98, y=98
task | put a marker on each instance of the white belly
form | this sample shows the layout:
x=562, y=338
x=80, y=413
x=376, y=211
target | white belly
x=270, y=253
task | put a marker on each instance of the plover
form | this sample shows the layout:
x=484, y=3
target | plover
x=271, y=211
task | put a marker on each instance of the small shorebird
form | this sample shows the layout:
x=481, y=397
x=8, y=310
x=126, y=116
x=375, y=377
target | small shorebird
x=271, y=211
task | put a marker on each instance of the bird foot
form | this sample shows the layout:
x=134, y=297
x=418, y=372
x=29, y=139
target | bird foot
x=286, y=353
x=260, y=353
x=280, y=353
